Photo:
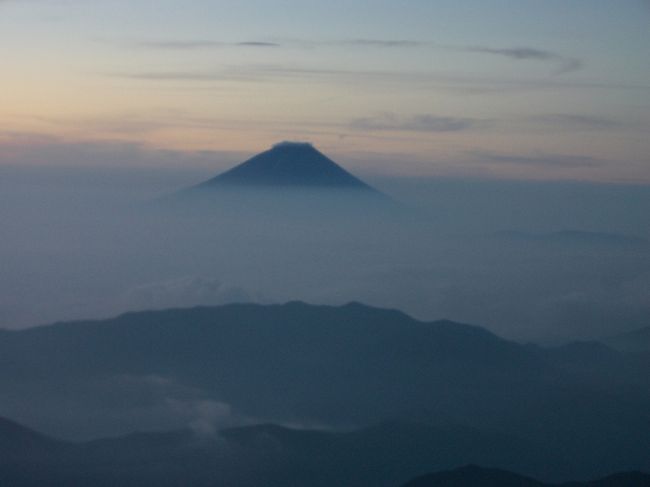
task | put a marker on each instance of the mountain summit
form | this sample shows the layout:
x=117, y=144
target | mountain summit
x=288, y=165
x=291, y=180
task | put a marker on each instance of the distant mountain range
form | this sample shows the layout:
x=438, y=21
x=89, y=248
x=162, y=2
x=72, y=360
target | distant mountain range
x=287, y=165
x=473, y=476
x=290, y=179
x=577, y=411
x=386, y=455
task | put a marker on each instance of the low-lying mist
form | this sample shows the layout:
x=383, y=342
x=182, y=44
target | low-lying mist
x=532, y=261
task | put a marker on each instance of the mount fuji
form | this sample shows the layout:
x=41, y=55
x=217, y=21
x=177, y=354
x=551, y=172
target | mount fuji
x=288, y=165
x=290, y=179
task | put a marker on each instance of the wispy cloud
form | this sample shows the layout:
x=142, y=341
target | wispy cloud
x=178, y=44
x=173, y=44
x=414, y=79
x=257, y=44
x=381, y=43
x=228, y=74
x=417, y=123
x=514, y=53
x=568, y=65
x=537, y=159
x=185, y=292
x=563, y=64
x=197, y=44
x=257, y=72
x=143, y=123
x=576, y=121
x=33, y=149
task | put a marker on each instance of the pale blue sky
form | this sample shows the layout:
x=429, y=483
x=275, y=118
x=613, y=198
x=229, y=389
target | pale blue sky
x=450, y=87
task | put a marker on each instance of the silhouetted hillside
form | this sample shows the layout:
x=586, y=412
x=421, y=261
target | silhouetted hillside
x=268, y=455
x=472, y=476
x=385, y=455
x=586, y=406
x=18, y=443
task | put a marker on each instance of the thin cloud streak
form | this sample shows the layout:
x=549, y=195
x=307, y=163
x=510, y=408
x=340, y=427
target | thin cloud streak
x=565, y=64
x=381, y=43
x=417, y=123
x=514, y=53
x=257, y=44
x=571, y=121
x=188, y=45
x=427, y=80
x=538, y=159
x=179, y=45
x=174, y=44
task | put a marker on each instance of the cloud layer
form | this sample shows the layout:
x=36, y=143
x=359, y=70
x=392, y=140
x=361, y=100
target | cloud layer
x=417, y=123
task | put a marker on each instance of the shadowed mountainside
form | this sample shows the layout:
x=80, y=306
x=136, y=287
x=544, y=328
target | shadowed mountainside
x=385, y=455
x=288, y=164
x=290, y=179
x=585, y=405
x=473, y=476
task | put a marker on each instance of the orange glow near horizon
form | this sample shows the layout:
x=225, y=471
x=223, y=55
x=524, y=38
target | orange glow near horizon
x=458, y=106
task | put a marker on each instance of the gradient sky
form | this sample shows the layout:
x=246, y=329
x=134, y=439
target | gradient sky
x=552, y=89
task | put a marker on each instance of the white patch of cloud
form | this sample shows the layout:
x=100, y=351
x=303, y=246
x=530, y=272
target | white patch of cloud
x=205, y=416
x=168, y=404
x=185, y=292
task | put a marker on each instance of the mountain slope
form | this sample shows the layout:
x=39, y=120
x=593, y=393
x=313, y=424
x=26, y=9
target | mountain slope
x=334, y=366
x=18, y=442
x=385, y=455
x=291, y=181
x=288, y=164
x=473, y=476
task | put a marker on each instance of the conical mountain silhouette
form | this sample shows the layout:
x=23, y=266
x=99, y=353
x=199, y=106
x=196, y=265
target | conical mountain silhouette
x=288, y=164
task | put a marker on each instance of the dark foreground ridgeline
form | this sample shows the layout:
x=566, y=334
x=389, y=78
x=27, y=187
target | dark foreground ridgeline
x=473, y=476
x=259, y=456
x=453, y=394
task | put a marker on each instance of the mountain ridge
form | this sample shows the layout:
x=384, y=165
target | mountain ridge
x=290, y=182
x=475, y=476
x=288, y=165
x=337, y=366
x=270, y=455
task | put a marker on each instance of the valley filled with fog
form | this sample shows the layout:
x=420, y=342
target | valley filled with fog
x=235, y=329
x=533, y=261
x=353, y=243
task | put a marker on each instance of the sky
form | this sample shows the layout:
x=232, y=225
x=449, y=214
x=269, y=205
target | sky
x=550, y=90
x=484, y=117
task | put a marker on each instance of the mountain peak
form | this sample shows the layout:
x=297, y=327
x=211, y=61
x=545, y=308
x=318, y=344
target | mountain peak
x=293, y=144
x=288, y=164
